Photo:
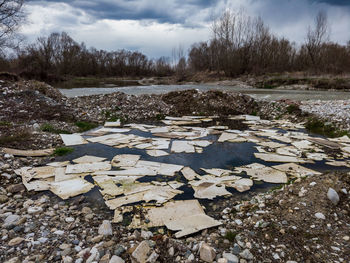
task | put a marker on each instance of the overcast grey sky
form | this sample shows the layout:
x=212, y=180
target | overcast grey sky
x=154, y=27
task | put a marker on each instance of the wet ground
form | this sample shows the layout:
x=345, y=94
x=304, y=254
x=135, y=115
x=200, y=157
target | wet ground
x=224, y=155
x=267, y=94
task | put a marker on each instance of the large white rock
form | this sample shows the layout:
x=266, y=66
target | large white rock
x=105, y=228
x=207, y=253
x=333, y=196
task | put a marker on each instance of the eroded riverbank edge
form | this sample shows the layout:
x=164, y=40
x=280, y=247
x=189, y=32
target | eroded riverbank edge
x=243, y=226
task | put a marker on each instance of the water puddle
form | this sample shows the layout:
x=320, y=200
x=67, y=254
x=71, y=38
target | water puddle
x=114, y=167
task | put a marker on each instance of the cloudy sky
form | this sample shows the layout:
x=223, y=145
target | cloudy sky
x=156, y=26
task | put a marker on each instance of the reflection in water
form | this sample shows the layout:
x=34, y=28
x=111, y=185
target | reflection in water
x=218, y=155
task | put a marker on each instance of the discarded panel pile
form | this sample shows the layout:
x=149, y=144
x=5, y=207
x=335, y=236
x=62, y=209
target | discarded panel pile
x=278, y=142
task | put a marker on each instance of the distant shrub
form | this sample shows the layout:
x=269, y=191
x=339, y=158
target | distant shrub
x=63, y=151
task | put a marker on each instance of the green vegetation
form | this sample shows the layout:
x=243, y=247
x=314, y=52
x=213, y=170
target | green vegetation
x=110, y=116
x=160, y=116
x=63, y=151
x=5, y=123
x=85, y=126
x=230, y=236
x=47, y=127
x=318, y=126
x=293, y=108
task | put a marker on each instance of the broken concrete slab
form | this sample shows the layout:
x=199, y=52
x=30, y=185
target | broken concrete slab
x=37, y=185
x=110, y=188
x=182, y=147
x=137, y=171
x=160, y=194
x=271, y=145
x=43, y=172
x=157, y=153
x=268, y=157
x=58, y=164
x=208, y=190
x=227, y=137
x=73, y=139
x=295, y=170
x=200, y=143
x=28, y=153
x=187, y=216
x=217, y=172
x=288, y=151
x=89, y=159
x=88, y=167
x=125, y=160
x=70, y=188
x=338, y=163
x=343, y=139
x=324, y=142
x=302, y=145
x=112, y=123
x=191, y=224
x=242, y=185
x=189, y=174
x=161, y=168
x=60, y=175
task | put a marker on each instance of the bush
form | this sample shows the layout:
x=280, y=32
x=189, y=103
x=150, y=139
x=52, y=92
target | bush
x=63, y=151
x=85, y=126
x=318, y=126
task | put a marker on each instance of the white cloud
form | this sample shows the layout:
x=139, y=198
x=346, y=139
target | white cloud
x=154, y=38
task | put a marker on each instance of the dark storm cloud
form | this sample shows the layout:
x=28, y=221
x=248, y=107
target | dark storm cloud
x=165, y=11
x=334, y=2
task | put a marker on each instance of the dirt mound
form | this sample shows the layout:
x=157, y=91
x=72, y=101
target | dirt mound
x=153, y=107
x=290, y=226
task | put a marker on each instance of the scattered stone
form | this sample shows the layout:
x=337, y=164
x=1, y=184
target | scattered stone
x=230, y=258
x=15, y=188
x=246, y=254
x=11, y=220
x=105, y=228
x=140, y=254
x=15, y=241
x=333, y=196
x=207, y=253
x=320, y=216
x=34, y=209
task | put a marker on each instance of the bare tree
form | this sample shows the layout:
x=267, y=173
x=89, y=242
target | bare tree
x=316, y=37
x=11, y=17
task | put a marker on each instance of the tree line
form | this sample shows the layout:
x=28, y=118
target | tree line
x=239, y=44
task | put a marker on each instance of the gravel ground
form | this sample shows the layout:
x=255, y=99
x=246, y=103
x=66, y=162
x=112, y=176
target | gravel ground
x=337, y=112
x=297, y=223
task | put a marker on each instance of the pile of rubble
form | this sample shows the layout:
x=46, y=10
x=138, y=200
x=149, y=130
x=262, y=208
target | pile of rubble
x=334, y=111
x=178, y=103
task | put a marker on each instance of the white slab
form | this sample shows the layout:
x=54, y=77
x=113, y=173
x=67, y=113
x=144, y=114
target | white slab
x=88, y=167
x=72, y=139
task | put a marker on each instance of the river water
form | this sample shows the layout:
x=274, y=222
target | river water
x=266, y=94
